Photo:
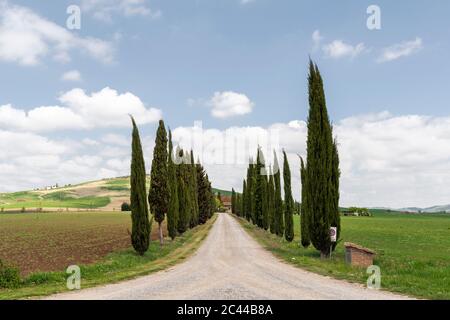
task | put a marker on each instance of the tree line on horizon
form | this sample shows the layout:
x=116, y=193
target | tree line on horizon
x=180, y=190
x=261, y=202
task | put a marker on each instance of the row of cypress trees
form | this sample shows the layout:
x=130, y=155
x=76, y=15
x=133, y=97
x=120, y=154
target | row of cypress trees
x=261, y=198
x=179, y=189
x=261, y=202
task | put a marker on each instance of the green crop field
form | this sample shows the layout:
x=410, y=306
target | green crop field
x=413, y=251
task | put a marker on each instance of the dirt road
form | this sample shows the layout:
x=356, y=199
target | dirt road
x=231, y=265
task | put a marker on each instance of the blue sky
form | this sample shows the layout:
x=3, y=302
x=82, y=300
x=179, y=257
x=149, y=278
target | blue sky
x=175, y=55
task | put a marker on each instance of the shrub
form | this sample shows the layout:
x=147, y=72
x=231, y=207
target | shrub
x=125, y=207
x=9, y=277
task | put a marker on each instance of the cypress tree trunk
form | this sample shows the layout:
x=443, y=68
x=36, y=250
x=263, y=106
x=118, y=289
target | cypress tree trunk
x=288, y=200
x=173, y=212
x=159, y=194
x=141, y=225
x=319, y=165
x=279, y=224
x=304, y=208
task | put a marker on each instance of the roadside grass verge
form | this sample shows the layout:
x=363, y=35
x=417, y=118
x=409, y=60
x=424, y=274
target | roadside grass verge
x=413, y=252
x=117, y=266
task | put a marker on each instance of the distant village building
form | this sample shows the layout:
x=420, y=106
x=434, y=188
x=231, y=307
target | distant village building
x=226, y=201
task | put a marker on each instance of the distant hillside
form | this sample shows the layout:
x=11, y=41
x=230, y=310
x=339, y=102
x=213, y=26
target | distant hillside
x=434, y=209
x=104, y=195
x=222, y=192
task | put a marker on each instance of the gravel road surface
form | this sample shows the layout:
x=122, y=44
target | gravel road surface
x=230, y=264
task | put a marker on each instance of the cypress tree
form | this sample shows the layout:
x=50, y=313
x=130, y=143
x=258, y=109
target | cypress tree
x=204, y=198
x=288, y=200
x=159, y=194
x=249, y=192
x=271, y=206
x=194, y=190
x=304, y=208
x=335, y=220
x=244, y=199
x=238, y=204
x=141, y=225
x=279, y=224
x=183, y=196
x=319, y=165
x=265, y=218
x=173, y=212
x=233, y=201
x=259, y=192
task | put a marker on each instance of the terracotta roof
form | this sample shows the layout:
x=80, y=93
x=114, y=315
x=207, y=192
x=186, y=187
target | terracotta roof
x=354, y=245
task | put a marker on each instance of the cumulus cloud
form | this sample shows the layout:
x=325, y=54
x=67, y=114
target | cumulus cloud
x=105, y=9
x=339, y=49
x=26, y=38
x=386, y=160
x=400, y=50
x=29, y=160
x=72, y=75
x=103, y=109
x=317, y=40
x=230, y=104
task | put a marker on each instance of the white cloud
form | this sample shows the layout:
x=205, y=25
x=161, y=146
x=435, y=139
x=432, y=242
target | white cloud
x=246, y=1
x=105, y=9
x=72, y=75
x=29, y=160
x=229, y=104
x=116, y=139
x=26, y=38
x=317, y=40
x=103, y=109
x=339, y=49
x=403, y=49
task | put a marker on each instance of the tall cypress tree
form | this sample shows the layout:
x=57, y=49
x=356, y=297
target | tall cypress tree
x=319, y=165
x=194, y=189
x=259, y=190
x=173, y=212
x=159, y=194
x=233, y=201
x=183, y=196
x=304, y=208
x=244, y=199
x=249, y=192
x=204, y=198
x=335, y=219
x=279, y=224
x=271, y=206
x=288, y=201
x=141, y=225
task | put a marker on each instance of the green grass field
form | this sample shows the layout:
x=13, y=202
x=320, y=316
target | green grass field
x=413, y=252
